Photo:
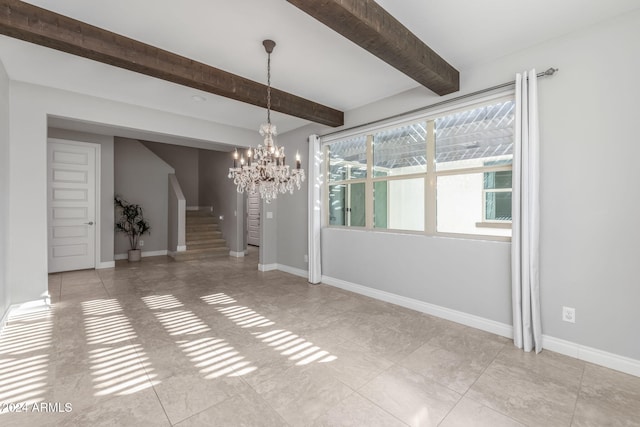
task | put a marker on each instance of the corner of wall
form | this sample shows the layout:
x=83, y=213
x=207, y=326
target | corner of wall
x=5, y=122
x=142, y=177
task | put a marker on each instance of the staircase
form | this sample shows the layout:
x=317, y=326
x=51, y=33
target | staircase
x=203, y=237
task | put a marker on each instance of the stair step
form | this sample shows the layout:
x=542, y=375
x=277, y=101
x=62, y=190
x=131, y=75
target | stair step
x=202, y=228
x=202, y=253
x=203, y=237
x=198, y=213
x=191, y=237
x=201, y=220
x=209, y=243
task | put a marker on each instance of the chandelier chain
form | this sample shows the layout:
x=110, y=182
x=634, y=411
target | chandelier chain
x=269, y=88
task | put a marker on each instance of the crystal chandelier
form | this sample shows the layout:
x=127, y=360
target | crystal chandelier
x=265, y=170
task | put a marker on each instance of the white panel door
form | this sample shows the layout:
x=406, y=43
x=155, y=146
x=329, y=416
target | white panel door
x=71, y=205
x=253, y=219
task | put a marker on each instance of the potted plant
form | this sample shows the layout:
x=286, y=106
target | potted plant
x=132, y=223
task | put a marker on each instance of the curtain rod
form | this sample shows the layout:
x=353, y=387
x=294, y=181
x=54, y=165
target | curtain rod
x=549, y=72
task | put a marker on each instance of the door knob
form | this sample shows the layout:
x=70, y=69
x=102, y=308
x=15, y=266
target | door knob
x=89, y=223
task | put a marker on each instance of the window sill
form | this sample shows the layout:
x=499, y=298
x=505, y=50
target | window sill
x=506, y=225
x=440, y=234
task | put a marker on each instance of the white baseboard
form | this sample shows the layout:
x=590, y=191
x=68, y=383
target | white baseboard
x=293, y=270
x=568, y=348
x=106, y=264
x=27, y=307
x=143, y=254
x=424, y=307
x=285, y=268
x=179, y=249
x=236, y=254
x=5, y=318
x=592, y=355
x=267, y=267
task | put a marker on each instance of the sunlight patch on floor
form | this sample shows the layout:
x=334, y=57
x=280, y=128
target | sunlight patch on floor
x=287, y=343
x=118, y=366
x=25, y=347
x=214, y=357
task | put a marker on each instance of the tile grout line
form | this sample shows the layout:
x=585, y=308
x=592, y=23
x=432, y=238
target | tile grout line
x=206, y=322
x=128, y=341
x=484, y=370
x=138, y=356
x=376, y=376
x=266, y=402
x=378, y=406
x=575, y=405
x=474, y=382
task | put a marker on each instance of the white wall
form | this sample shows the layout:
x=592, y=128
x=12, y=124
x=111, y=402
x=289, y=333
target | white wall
x=185, y=162
x=5, y=163
x=142, y=178
x=176, y=216
x=106, y=184
x=590, y=208
x=30, y=106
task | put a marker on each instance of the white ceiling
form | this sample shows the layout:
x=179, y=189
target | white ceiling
x=310, y=60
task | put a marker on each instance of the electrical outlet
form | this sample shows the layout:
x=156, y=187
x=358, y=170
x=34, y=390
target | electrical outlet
x=569, y=314
x=141, y=243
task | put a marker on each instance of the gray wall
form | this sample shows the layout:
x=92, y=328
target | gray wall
x=292, y=208
x=589, y=204
x=218, y=191
x=106, y=184
x=4, y=191
x=268, y=253
x=141, y=177
x=185, y=162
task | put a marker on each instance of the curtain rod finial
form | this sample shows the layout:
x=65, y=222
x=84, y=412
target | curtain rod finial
x=550, y=72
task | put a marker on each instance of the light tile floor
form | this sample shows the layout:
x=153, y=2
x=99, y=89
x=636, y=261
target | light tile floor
x=217, y=343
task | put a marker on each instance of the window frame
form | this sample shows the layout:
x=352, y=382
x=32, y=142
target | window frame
x=494, y=223
x=430, y=176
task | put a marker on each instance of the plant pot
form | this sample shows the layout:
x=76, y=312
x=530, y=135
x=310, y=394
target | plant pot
x=135, y=255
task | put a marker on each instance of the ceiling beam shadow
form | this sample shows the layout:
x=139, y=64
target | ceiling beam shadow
x=40, y=26
x=368, y=25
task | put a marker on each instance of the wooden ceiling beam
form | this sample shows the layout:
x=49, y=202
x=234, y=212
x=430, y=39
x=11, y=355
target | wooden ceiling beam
x=43, y=27
x=368, y=25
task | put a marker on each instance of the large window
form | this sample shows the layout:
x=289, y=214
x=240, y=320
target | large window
x=347, y=177
x=447, y=174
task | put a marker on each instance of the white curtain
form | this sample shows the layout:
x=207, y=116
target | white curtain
x=525, y=241
x=315, y=202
